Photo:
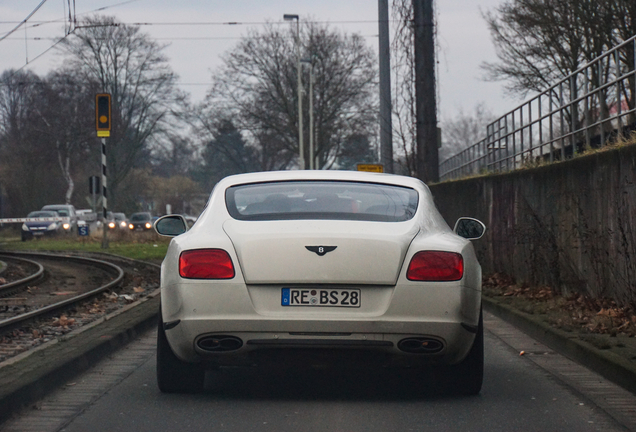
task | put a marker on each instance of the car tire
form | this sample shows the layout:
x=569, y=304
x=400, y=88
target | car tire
x=466, y=377
x=173, y=374
x=24, y=237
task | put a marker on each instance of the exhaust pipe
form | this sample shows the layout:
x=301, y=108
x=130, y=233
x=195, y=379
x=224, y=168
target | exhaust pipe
x=420, y=345
x=219, y=343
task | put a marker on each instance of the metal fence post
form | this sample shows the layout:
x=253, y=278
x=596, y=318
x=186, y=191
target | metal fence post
x=540, y=128
x=586, y=107
x=551, y=128
x=562, y=120
x=601, y=104
x=619, y=121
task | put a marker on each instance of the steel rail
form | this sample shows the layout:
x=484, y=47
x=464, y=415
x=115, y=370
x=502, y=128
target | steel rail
x=12, y=322
x=17, y=283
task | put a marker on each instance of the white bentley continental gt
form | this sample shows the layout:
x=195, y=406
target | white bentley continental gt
x=304, y=267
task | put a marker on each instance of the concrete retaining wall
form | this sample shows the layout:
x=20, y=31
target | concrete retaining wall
x=570, y=225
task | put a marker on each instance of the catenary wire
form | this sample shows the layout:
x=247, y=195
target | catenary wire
x=23, y=21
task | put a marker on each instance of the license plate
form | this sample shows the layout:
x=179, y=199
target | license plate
x=38, y=233
x=320, y=297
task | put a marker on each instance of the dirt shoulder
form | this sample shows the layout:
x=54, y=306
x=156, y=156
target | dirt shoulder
x=596, y=332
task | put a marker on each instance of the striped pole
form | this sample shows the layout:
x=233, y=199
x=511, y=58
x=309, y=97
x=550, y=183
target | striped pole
x=104, y=197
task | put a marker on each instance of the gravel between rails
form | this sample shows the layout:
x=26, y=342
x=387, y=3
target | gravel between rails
x=140, y=279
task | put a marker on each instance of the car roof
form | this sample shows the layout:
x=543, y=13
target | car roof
x=333, y=175
x=56, y=206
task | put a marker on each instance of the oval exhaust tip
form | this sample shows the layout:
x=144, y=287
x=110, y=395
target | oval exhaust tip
x=219, y=343
x=420, y=345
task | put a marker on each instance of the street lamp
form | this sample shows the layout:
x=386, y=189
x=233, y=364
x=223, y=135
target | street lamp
x=312, y=160
x=288, y=17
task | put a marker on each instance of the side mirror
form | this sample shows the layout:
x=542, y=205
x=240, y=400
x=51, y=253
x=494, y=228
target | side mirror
x=469, y=228
x=171, y=225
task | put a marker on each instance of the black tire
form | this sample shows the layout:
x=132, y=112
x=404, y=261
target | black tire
x=25, y=237
x=466, y=378
x=173, y=374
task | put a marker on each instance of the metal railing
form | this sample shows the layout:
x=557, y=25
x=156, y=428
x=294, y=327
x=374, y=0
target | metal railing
x=579, y=112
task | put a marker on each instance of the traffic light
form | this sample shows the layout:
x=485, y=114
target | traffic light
x=102, y=114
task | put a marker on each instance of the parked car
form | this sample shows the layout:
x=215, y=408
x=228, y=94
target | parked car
x=117, y=220
x=320, y=268
x=87, y=215
x=140, y=221
x=66, y=211
x=45, y=226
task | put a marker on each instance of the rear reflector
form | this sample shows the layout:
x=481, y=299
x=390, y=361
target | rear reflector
x=206, y=264
x=436, y=266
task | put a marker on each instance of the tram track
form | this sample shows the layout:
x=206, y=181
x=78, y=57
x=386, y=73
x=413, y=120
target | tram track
x=9, y=288
x=95, y=286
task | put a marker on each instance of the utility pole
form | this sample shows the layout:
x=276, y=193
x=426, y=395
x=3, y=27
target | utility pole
x=427, y=163
x=301, y=150
x=386, y=126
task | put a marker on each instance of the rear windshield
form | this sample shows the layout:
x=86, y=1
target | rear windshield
x=140, y=217
x=339, y=200
x=42, y=214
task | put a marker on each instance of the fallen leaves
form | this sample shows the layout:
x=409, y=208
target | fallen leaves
x=63, y=321
x=567, y=312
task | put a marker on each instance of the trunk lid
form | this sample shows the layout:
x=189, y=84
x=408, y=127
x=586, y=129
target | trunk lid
x=275, y=252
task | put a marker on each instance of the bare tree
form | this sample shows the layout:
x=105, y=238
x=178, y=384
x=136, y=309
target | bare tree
x=403, y=94
x=117, y=59
x=463, y=130
x=27, y=162
x=66, y=124
x=539, y=42
x=624, y=13
x=257, y=85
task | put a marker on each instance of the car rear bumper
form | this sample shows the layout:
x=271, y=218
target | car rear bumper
x=194, y=340
x=444, y=318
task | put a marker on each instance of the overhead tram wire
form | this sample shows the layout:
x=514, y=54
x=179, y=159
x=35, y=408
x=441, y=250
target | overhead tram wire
x=217, y=23
x=38, y=23
x=23, y=21
x=41, y=54
x=237, y=23
x=183, y=38
x=59, y=20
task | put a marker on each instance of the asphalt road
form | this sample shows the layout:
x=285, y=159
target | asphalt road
x=537, y=391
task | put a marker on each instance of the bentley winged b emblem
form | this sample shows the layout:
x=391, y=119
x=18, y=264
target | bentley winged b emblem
x=320, y=250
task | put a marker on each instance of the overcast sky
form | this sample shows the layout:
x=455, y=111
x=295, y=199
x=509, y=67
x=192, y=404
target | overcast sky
x=197, y=37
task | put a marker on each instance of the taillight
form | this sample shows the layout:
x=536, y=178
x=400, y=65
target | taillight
x=206, y=264
x=436, y=266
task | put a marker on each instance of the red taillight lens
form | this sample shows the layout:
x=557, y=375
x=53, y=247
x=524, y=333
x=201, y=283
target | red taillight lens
x=206, y=264
x=436, y=266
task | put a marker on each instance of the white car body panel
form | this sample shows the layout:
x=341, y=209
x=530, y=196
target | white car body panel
x=370, y=256
x=366, y=253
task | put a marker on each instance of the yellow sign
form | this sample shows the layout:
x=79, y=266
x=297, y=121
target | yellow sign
x=378, y=168
x=103, y=134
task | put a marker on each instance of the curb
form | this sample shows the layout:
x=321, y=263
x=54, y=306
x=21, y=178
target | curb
x=611, y=366
x=28, y=377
